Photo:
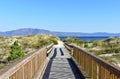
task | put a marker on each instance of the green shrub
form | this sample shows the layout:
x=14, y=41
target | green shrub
x=86, y=45
x=16, y=52
x=55, y=42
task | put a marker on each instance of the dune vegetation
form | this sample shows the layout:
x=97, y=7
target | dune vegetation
x=16, y=47
x=108, y=49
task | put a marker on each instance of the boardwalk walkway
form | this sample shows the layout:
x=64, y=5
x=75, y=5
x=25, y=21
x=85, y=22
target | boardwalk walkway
x=61, y=65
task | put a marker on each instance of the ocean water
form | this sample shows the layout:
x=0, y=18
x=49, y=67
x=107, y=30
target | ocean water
x=88, y=38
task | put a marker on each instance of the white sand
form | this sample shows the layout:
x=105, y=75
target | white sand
x=60, y=44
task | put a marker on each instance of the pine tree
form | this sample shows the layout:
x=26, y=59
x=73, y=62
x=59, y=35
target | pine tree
x=16, y=52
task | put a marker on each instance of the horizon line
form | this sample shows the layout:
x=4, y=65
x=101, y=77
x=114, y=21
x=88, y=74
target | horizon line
x=59, y=31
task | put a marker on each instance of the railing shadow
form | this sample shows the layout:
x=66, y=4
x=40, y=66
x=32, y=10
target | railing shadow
x=47, y=71
x=54, y=54
x=62, y=54
x=74, y=68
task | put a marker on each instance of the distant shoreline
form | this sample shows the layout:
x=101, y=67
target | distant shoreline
x=86, y=38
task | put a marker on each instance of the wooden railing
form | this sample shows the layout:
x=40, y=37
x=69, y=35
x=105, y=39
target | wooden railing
x=49, y=49
x=94, y=66
x=27, y=67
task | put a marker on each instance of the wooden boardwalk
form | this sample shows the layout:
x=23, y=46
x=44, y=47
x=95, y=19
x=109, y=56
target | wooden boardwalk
x=61, y=65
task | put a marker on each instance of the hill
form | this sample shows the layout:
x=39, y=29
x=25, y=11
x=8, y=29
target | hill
x=24, y=31
x=28, y=31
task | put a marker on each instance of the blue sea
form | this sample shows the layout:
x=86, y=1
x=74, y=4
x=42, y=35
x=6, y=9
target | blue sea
x=88, y=38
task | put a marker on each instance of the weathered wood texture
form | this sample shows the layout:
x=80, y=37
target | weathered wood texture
x=94, y=66
x=27, y=67
x=61, y=65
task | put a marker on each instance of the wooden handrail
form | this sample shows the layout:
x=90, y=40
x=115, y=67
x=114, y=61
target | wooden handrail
x=94, y=66
x=49, y=48
x=25, y=68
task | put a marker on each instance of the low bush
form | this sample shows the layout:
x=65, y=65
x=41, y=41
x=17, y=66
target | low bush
x=16, y=52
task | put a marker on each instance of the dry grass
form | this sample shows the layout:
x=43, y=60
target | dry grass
x=101, y=48
x=29, y=43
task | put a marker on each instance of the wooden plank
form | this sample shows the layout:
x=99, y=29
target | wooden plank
x=61, y=67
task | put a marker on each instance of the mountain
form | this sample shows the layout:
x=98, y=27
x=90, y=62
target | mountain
x=24, y=31
x=75, y=34
x=28, y=31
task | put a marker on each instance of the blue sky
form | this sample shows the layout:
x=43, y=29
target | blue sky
x=61, y=15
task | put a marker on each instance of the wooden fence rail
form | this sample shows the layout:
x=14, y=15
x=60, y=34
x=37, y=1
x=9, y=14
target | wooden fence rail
x=27, y=67
x=94, y=66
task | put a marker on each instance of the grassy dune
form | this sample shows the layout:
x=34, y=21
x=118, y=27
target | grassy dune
x=28, y=43
x=108, y=49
